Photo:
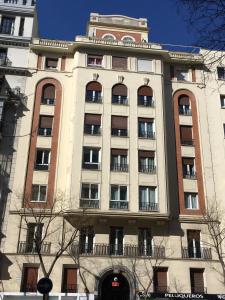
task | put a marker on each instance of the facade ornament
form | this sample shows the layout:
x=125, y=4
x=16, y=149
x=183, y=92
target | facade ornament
x=146, y=81
x=95, y=76
x=120, y=79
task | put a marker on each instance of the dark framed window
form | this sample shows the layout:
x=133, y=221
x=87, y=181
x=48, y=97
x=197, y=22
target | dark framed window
x=7, y=25
x=45, y=125
x=197, y=280
x=48, y=94
x=93, y=92
x=119, y=94
x=119, y=126
x=29, y=279
x=51, y=63
x=221, y=73
x=39, y=193
x=145, y=96
x=42, y=159
x=92, y=124
x=116, y=240
x=160, y=280
x=69, y=282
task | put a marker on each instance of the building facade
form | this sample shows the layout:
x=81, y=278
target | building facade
x=121, y=146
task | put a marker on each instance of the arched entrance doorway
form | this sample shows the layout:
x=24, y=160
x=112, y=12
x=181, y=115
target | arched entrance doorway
x=115, y=287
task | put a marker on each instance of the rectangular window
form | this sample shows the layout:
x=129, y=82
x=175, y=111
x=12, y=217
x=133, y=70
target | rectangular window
x=146, y=128
x=34, y=237
x=21, y=29
x=197, y=280
x=160, y=279
x=92, y=124
x=221, y=73
x=29, y=281
x=119, y=63
x=7, y=25
x=186, y=135
x=222, y=101
x=119, y=126
x=191, y=200
x=145, y=65
x=45, y=125
x=182, y=75
x=94, y=60
x=144, y=242
x=90, y=195
x=119, y=160
x=86, y=240
x=118, y=197
x=42, y=159
x=116, y=240
x=146, y=161
x=189, y=167
x=147, y=198
x=69, y=284
x=194, y=245
x=51, y=63
x=39, y=193
x=3, y=57
x=91, y=158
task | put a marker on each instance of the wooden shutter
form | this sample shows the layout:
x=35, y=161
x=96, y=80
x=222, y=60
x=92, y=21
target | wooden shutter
x=184, y=100
x=119, y=151
x=30, y=279
x=119, y=63
x=49, y=91
x=119, y=122
x=51, y=62
x=91, y=119
x=94, y=86
x=145, y=120
x=70, y=279
x=143, y=154
x=145, y=91
x=119, y=90
x=46, y=121
x=160, y=279
x=193, y=235
x=186, y=133
x=197, y=280
x=188, y=161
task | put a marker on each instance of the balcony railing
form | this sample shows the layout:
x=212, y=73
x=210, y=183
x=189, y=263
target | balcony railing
x=89, y=203
x=92, y=130
x=190, y=175
x=116, y=250
x=48, y=101
x=95, y=99
x=5, y=62
x=147, y=169
x=122, y=100
x=30, y=248
x=148, y=102
x=145, y=206
x=91, y=166
x=202, y=253
x=114, y=204
x=119, y=167
x=45, y=131
x=184, y=112
x=119, y=132
x=70, y=288
x=187, y=142
x=41, y=167
x=146, y=134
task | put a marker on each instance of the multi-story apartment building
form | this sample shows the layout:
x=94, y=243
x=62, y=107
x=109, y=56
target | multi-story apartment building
x=17, y=26
x=122, y=143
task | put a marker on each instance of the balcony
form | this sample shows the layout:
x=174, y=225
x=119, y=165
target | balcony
x=146, y=102
x=45, y=131
x=48, y=101
x=202, y=253
x=116, y=250
x=92, y=129
x=119, y=167
x=114, y=204
x=146, y=206
x=190, y=175
x=119, y=132
x=187, y=142
x=41, y=167
x=121, y=100
x=147, y=169
x=184, y=111
x=91, y=166
x=89, y=203
x=31, y=248
x=93, y=99
x=146, y=134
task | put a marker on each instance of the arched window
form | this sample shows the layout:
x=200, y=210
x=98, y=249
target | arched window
x=184, y=105
x=93, y=92
x=48, y=94
x=119, y=94
x=128, y=39
x=109, y=37
x=145, y=94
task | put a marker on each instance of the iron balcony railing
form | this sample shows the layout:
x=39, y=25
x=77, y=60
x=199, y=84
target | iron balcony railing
x=117, y=250
x=146, y=134
x=119, y=132
x=198, y=253
x=149, y=102
x=122, y=100
x=114, y=204
x=89, y=203
x=91, y=166
x=41, y=167
x=190, y=175
x=92, y=130
x=119, y=167
x=48, y=101
x=184, y=112
x=45, y=131
x=95, y=99
x=148, y=206
x=147, y=169
x=29, y=248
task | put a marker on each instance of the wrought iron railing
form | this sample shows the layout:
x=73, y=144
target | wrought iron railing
x=190, y=175
x=146, y=134
x=201, y=253
x=119, y=167
x=89, y=203
x=114, y=204
x=148, y=206
x=30, y=248
x=147, y=169
x=119, y=132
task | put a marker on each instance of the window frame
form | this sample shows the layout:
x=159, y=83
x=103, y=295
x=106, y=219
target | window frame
x=39, y=193
x=90, y=191
x=119, y=192
x=179, y=72
x=145, y=71
x=188, y=199
x=95, y=57
x=223, y=69
x=43, y=158
x=47, y=59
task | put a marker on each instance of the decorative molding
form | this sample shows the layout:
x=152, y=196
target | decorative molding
x=95, y=76
x=146, y=81
x=120, y=79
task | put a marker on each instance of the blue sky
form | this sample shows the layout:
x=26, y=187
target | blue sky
x=64, y=19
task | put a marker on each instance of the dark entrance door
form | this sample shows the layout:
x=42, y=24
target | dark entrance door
x=115, y=287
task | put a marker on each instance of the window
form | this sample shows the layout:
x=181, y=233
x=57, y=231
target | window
x=39, y=193
x=128, y=39
x=7, y=25
x=89, y=195
x=221, y=73
x=109, y=37
x=182, y=75
x=119, y=63
x=34, y=237
x=147, y=198
x=48, y=94
x=69, y=284
x=197, y=280
x=94, y=60
x=91, y=158
x=93, y=92
x=222, y=101
x=144, y=65
x=86, y=240
x=30, y=278
x=184, y=105
x=119, y=160
x=45, y=125
x=191, y=200
x=51, y=63
x=119, y=94
x=3, y=57
x=118, y=197
x=116, y=240
x=144, y=242
x=160, y=280
x=146, y=161
x=119, y=126
x=145, y=94
x=21, y=29
x=186, y=135
x=194, y=246
x=42, y=159
x=146, y=128
x=92, y=124
x=189, y=167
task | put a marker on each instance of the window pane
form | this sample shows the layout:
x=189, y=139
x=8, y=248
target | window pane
x=85, y=191
x=95, y=156
x=123, y=193
x=114, y=192
x=152, y=195
x=43, y=190
x=87, y=155
x=35, y=189
x=94, y=191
